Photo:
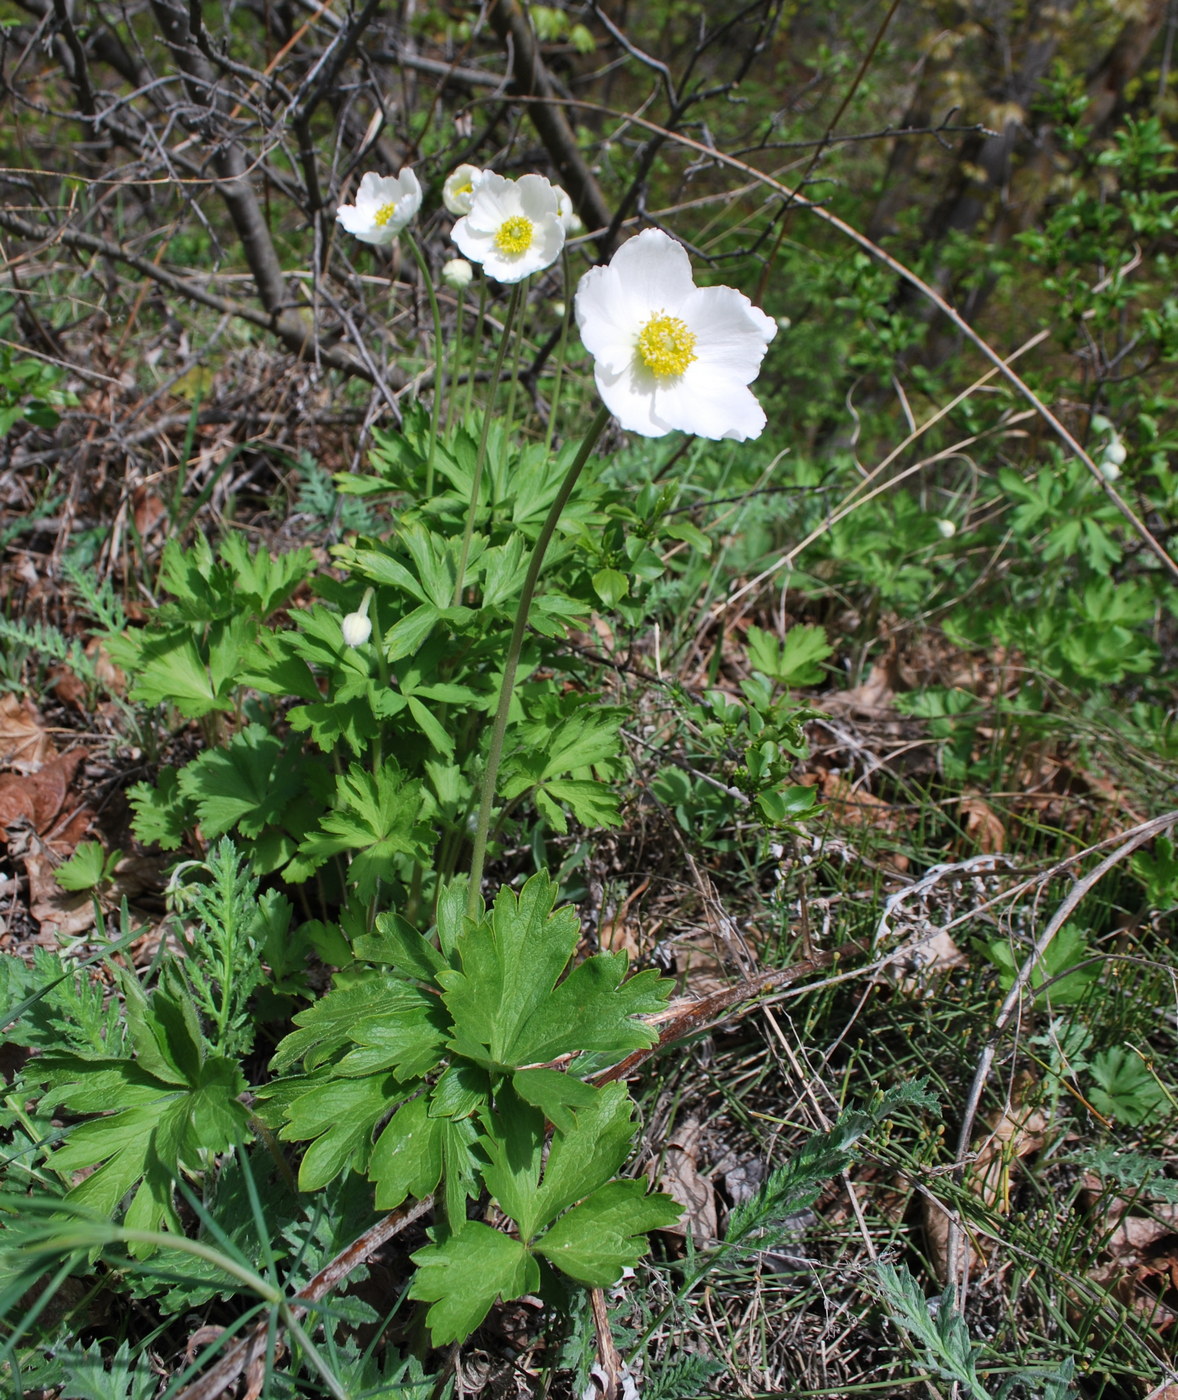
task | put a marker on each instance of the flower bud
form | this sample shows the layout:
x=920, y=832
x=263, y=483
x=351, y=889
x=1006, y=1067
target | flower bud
x=946, y=529
x=1115, y=452
x=457, y=273
x=356, y=628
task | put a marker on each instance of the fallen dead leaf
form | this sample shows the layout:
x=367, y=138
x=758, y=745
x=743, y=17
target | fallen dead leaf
x=872, y=697
x=929, y=959
x=24, y=743
x=39, y=798
x=680, y=1178
x=982, y=823
x=855, y=806
x=1012, y=1132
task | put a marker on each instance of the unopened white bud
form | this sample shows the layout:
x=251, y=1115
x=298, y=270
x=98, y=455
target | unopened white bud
x=357, y=628
x=947, y=529
x=457, y=273
x=1115, y=452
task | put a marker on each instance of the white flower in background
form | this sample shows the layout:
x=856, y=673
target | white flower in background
x=1112, y=459
x=457, y=273
x=946, y=529
x=1113, y=454
x=384, y=205
x=668, y=354
x=568, y=215
x=458, y=190
x=513, y=227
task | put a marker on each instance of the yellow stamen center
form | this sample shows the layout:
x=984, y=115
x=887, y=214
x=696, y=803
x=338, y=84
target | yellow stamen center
x=515, y=235
x=384, y=214
x=665, y=346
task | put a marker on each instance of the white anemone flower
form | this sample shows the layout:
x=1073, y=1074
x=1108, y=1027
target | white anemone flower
x=384, y=205
x=513, y=228
x=458, y=189
x=568, y=215
x=667, y=354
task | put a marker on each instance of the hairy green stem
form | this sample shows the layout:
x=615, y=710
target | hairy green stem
x=561, y=349
x=436, y=409
x=508, y=325
x=514, y=647
x=476, y=346
x=460, y=317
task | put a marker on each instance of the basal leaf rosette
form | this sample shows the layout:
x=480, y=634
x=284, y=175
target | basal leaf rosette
x=514, y=227
x=667, y=354
x=384, y=205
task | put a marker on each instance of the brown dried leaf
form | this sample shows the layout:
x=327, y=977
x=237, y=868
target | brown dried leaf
x=1013, y=1132
x=982, y=823
x=24, y=744
x=873, y=697
x=60, y=913
x=680, y=1178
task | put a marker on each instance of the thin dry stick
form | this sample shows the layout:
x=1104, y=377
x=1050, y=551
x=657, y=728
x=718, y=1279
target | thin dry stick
x=1138, y=836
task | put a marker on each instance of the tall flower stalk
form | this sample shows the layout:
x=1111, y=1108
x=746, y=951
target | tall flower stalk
x=460, y=579
x=511, y=665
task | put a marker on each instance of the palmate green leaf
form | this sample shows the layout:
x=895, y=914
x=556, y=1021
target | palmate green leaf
x=398, y=944
x=162, y=813
x=510, y=964
x=593, y=804
x=248, y=784
x=326, y=1027
x=606, y=1233
x=587, y=1156
x=554, y=1094
x=415, y=1149
x=168, y=669
x=374, y=817
x=339, y=1116
x=1125, y=1088
x=580, y=1160
x=465, y=1274
x=1068, y=948
x=794, y=661
x=263, y=581
x=156, y=1130
x=508, y=1011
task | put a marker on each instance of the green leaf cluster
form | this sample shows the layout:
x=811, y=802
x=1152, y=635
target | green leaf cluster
x=474, y=1044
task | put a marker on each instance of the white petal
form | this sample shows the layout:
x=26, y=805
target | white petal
x=654, y=271
x=370, y=188
x=710, y=406
x=731, y=334
x=537, y=197
x=630, y=403
x=472, y=243
x=606, y=318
